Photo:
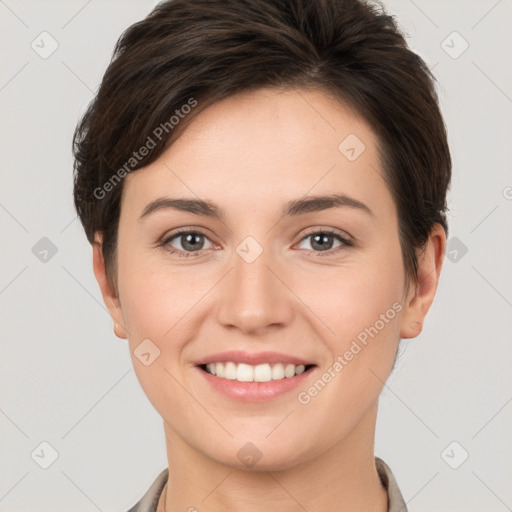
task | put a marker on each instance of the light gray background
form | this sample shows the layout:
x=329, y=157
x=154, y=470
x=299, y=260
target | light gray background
x=67, y=380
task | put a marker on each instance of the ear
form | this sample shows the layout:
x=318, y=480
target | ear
x=108, y=291
x=420, y=298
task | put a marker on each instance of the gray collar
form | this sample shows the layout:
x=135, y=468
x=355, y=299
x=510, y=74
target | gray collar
x=396, y=503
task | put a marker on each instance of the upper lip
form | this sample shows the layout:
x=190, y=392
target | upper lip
x=238, y=356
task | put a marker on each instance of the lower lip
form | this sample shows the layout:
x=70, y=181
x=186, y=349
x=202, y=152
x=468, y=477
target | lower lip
x=255, y=391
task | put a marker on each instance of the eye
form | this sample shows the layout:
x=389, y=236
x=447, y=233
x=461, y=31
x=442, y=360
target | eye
x=190, y=241
x=322, y=241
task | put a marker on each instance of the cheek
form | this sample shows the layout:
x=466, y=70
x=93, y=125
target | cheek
x=162, y=303
x=352, y=298
x=153, y=299
x=155, y=309
x=363, y=351
x=145, y=305
x=152, y=305
x=362, y=308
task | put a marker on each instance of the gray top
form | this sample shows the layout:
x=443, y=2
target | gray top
x=396, y=503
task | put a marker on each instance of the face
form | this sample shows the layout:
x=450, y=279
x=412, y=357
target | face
x=274, y=272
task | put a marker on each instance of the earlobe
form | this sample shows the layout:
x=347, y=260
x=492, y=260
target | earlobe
x=119, y=331
x=108, y=292
x=430, y=262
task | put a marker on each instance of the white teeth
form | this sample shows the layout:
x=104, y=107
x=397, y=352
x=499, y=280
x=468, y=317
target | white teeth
x=277, y=372
x=229, y=371
x=245, y=373
x=259, y=373
x=289, y=370
x=300, y=369
x=262, y=373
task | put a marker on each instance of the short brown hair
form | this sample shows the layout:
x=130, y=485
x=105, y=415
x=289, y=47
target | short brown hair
x=208, y=50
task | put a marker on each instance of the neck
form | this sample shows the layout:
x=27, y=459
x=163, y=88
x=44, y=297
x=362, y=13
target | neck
x=343, y=477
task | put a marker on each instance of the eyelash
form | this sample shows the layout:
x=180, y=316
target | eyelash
x=183, y=254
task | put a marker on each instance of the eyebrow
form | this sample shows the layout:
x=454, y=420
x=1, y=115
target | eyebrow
x=292, y=208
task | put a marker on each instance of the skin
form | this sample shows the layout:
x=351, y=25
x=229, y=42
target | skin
x=250, y=154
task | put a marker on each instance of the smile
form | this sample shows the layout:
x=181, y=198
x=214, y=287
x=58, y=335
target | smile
x=254, y=373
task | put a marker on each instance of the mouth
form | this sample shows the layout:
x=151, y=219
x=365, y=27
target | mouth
x=260, y=383
x=265, y=372
x=255, y=377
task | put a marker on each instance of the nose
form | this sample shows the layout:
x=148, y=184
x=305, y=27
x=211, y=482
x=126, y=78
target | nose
x=255, y=296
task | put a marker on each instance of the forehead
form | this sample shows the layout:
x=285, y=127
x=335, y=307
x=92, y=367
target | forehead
x=266, y=145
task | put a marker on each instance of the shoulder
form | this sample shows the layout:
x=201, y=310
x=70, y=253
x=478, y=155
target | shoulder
x=396, y=502
x=149, y=501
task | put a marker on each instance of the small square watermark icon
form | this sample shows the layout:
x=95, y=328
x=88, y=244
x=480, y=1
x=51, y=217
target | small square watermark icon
x=44, y=45
x=249, y=249
x=44, y=250
x=249, y=454
x=455, y=249
x=454, y=455
x=454, y=45
x=146, y=352
x=351, y=147
x=44, y=455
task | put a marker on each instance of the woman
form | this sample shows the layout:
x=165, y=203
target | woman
x=264, y=187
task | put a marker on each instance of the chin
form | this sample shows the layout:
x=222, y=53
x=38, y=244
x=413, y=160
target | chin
x=260, y=454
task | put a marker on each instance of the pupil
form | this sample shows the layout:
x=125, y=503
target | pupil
x=190, y=239
x=321, y=240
